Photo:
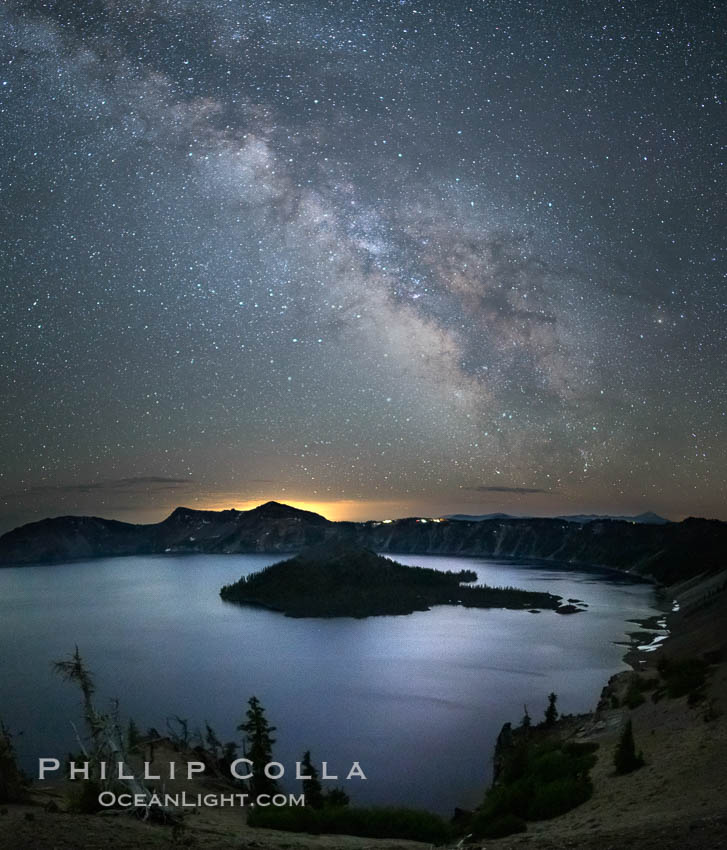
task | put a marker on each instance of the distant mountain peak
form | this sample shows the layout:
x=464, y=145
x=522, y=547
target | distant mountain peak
x=271, y=510
x=181, y=511
x=650, y=517
x=277, y=510
x=646, y=518
x=478, y=517
x=273, y=505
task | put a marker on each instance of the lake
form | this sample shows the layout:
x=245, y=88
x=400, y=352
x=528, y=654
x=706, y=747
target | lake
x=418, y=700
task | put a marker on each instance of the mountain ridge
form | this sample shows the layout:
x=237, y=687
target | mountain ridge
x=664, y=552
x=647, y=517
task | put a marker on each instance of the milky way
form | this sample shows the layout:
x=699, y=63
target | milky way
x=377, y=258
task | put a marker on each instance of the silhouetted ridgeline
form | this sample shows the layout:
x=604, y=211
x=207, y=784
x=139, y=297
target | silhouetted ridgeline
x=666, y=552
x=343, y=581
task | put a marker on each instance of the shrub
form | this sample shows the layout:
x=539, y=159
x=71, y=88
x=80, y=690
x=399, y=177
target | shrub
x=501, y=826
x=633, y=696
x=546, y=780
x=570, y=759
x=558, y=797
x=510, y=799
x=286, y=818
x=580, y=748
x=335, y=797
x=683, y=676
x=638, y=685
x=516, y=762
x=84, y=797
x=398, y=823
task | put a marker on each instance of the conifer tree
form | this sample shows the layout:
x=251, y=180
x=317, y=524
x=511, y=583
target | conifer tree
x=336, y=797
x=311, y=783
x=551, y=712
x=625, y=758
x=503, y=751
x=258, y=747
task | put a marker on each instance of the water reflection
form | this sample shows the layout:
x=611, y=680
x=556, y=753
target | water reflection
x=417, y=699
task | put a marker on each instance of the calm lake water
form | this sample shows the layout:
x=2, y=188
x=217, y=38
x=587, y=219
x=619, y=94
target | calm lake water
x=418, y=700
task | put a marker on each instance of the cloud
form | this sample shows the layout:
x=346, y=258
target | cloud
x=519, y=491
x=142, y=482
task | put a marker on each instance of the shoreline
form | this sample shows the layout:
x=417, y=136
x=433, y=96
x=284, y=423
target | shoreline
x=674, y=801
x=649, y=628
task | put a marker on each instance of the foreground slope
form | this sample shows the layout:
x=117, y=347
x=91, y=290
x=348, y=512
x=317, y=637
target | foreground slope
x=677, y=800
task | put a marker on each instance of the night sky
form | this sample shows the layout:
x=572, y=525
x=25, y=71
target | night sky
x=375, y=258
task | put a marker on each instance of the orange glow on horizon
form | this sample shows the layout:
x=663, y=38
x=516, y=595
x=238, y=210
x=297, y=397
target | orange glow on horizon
x=336, y=510
x=359, y=510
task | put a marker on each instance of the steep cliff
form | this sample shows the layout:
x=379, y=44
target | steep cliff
x=665, y=552
x=70, y=537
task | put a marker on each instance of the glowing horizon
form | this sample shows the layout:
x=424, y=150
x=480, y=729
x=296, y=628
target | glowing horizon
x=351, y=510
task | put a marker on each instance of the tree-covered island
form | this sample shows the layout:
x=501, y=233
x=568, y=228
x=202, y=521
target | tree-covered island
x=353, y=582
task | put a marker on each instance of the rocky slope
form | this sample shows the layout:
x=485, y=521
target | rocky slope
x=676, y=801
x=664, y=552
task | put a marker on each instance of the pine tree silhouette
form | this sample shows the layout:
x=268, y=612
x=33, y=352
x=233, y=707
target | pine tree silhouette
x=625, y=758
x=551, y=712
x=311, y=786
x=258, y=747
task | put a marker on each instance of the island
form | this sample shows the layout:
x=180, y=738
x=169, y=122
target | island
x=340, y=581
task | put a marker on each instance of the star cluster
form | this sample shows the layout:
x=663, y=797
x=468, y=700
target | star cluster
x=377, y=256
